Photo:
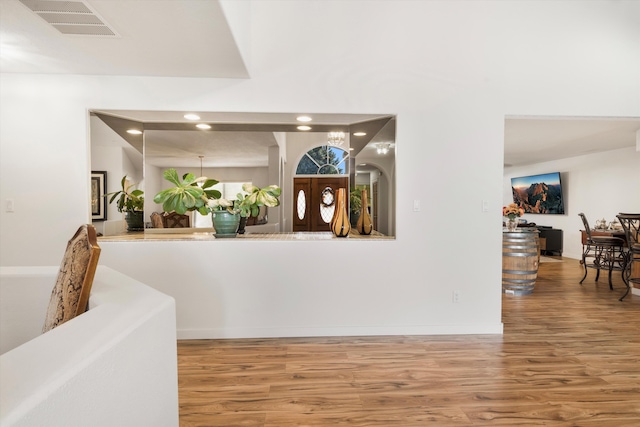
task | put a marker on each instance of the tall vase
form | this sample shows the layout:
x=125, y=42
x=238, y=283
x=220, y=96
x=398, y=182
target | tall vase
x=340, y=224
x=364, y=225
x=512, y=224
x=335, y=210
x=225, y=223
x=335, y=215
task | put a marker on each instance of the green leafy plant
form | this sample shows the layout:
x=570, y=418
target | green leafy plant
x=187, y=195
x=129, y=199
x=222, y=204
x=355, y=199
x=249, y=204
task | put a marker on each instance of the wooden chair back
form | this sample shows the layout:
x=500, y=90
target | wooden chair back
x=175, y=220
x=157, y=221
x=70, y=295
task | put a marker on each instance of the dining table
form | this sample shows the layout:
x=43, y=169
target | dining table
x=604, y=232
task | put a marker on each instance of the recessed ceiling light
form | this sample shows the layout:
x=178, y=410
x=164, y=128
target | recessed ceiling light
x=351, y=148
x=134, y=132
x=359, y=134
x=203, y=126
x=304, y=127
x=304, y=118
x=192, y=116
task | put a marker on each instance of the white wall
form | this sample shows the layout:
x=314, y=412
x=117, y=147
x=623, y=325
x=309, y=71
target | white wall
x=599, y=185
x=450, y=71
x=108, y=159
x=108, y=154
x=386, y=187
x=115, y=365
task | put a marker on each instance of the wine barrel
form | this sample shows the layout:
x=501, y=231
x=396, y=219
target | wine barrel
x=519, y=262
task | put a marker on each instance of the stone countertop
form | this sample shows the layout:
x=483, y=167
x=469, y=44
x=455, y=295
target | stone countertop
x=141, y=236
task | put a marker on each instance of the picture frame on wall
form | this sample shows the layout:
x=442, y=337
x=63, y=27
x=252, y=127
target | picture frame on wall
x=98, y=199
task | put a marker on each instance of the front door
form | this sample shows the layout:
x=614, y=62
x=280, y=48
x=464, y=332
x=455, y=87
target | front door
x=314, y=202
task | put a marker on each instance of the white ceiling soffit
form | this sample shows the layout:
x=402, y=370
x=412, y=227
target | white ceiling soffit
x=235, y=139
x=70, y=17
x=185, y=38
x=529, y=140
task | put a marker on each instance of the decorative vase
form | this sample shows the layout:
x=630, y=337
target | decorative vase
x=364, y=224
x=335, y=215
x=135, y=220
x=333, y=203
x=340, y=224
x=512, y=224
x=225, y=223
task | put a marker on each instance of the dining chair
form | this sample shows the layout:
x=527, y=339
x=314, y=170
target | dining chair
x=176, y=220
x=631, y=226
x=602, y=253
x=157, y=221
x=70, y=294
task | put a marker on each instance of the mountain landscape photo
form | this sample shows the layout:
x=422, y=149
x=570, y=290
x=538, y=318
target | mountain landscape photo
x=538, y=196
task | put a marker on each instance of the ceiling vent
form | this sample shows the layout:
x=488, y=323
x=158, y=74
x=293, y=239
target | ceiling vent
x=71, y=17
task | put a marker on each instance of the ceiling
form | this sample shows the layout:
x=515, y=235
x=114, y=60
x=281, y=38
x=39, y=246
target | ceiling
x=234, y=140
x=529, y=140
x=197, y=38
x=186, y=38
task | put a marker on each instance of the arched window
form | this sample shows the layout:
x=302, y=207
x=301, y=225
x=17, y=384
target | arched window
x=324, y=160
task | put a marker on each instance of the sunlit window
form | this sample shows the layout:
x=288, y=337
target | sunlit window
x=229, y=190
x=324, y=160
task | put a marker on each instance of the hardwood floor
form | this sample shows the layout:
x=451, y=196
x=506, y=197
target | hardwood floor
x=569, y=356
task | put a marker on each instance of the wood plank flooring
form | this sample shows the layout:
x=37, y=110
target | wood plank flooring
x=569, y=356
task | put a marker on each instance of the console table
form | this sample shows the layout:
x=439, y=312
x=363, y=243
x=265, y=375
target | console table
x=520, y=260
x=553, y=240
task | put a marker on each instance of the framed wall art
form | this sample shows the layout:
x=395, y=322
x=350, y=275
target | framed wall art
x=539, y=194
x=98, y=199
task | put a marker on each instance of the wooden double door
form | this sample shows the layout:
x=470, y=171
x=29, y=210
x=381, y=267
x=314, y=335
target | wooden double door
x=309, y=211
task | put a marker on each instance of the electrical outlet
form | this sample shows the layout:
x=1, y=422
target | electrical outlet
x=9, y=205
x=456, y=296
x=416, y=205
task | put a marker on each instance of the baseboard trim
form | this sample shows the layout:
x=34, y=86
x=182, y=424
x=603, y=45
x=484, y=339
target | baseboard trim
x=234, y=333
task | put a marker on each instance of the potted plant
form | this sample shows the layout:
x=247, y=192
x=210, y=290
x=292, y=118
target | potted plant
x=355, y=204
x=512, y=211
x=225, y=216
x=187, y=195
x=248, y=203
x=131, y=202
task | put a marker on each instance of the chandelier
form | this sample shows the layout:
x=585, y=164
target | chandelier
x=382, y=148
x=335, y=139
